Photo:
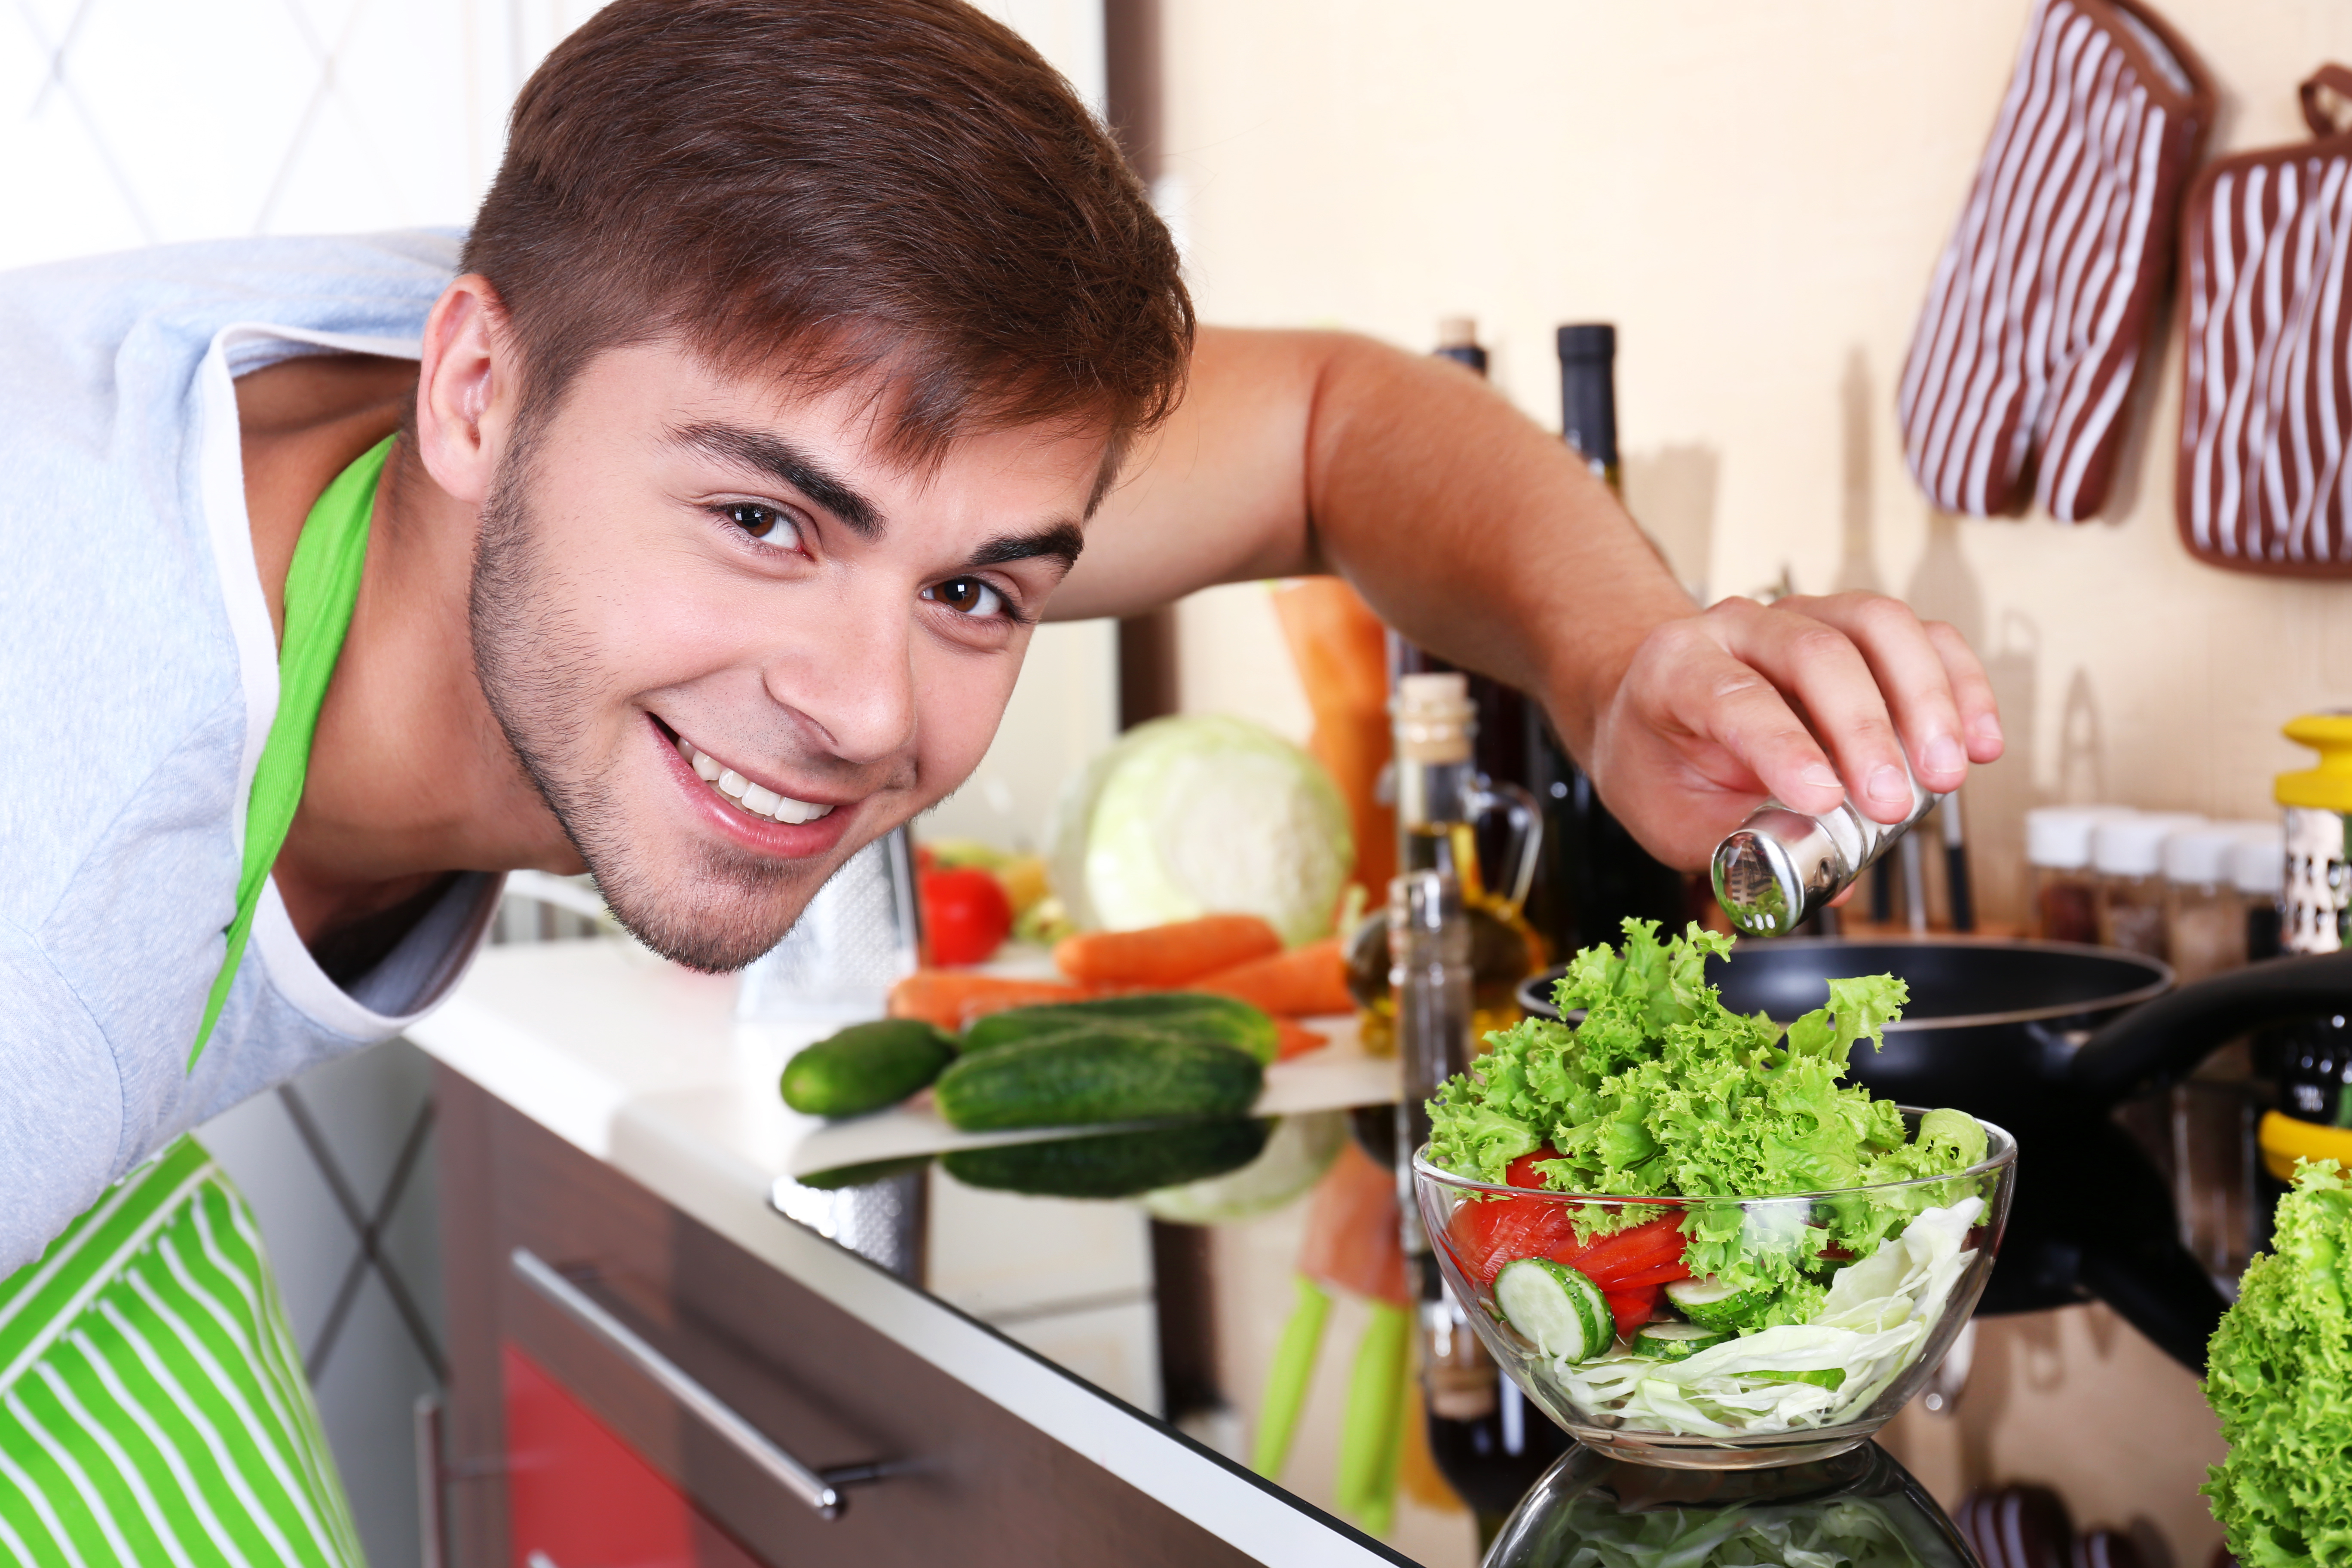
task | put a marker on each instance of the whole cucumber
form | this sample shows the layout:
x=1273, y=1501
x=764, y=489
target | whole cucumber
x=1111, y=1164
x=1098, y=1074
x=865, y=1066
x=1196, y=1015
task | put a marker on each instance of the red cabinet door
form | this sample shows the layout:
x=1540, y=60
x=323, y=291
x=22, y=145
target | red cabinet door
x=578, y=1497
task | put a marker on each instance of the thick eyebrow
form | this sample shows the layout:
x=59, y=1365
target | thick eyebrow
x=781, y=460
x=1062, y=542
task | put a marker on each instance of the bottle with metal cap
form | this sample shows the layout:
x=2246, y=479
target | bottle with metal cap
x=1779, y=867
x=2318, y=904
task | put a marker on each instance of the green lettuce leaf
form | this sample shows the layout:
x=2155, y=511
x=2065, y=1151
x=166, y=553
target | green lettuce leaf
x=2279, y=1374
x=1662, y=1090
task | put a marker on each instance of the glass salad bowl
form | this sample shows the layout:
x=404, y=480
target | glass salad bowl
x=1859, y=1508
x=1802, y=1346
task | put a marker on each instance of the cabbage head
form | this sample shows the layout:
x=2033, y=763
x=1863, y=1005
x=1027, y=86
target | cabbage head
x=1198, y=814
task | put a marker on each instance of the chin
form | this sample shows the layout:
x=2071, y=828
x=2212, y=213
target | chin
x=716, y=917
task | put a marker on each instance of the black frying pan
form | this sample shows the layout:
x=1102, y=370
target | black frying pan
x=2046, y=1038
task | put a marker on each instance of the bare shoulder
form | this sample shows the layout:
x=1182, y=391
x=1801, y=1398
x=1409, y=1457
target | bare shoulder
x=300, y=422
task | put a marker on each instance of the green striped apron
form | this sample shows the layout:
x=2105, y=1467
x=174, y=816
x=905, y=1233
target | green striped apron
x=153, y=1406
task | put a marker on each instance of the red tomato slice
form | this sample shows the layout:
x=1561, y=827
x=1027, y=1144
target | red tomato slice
x=1632, y=1309
x=1630, y=1252
x=1664, y=1273
x=1521, y=1171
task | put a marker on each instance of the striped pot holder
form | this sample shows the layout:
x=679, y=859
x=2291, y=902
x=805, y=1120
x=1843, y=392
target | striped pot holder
x=2021, y=371
x=2267, y=408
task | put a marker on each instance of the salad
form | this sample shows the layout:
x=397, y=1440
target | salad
x=1706, y=1319
x=2276, y=1373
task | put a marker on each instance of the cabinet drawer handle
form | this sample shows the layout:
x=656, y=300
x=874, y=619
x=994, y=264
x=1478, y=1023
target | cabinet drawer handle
x=820, y=1489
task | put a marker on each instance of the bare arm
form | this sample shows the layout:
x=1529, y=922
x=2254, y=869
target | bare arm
x=1485, y=540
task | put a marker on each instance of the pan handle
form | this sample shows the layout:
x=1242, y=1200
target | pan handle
x=2161, y=1041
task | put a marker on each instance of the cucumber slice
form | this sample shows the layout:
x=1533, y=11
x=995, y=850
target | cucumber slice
x=1713, y=1305
x=1830, y=1378
x=1676, y=1341
x=1555, y=1306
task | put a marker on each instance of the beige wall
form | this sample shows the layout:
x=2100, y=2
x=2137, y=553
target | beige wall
x=1755, y=195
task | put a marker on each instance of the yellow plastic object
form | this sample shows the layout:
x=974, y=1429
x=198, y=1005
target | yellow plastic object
x=2328, y=786
x=2284, y=1140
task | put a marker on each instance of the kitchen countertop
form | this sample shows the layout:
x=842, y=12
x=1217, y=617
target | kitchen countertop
x=644, y=1066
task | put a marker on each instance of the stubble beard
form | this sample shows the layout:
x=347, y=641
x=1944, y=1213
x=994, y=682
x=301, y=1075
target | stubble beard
x=540, y=676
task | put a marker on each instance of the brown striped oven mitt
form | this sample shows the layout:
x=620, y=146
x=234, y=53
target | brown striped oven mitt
x=2266, y=410
x=2021, y=371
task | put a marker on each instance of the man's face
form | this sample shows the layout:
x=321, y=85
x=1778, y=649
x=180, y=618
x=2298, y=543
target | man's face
x=683, y=574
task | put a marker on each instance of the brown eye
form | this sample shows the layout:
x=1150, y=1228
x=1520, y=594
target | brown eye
x=759, y=521
x=967, y=596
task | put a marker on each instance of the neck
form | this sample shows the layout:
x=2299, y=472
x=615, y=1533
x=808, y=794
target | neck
x=410, y=778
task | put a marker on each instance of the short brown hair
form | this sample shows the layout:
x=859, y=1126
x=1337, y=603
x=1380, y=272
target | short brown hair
x=829, y=188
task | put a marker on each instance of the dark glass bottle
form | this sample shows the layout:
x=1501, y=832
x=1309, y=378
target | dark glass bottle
x=1595, y=874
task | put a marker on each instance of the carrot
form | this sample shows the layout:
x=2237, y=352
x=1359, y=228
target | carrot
x=1352, y=1242
x=1167, y=955
x=1301, y=984
x=1295, y=1039
x=1342, y=654
x=951, y=998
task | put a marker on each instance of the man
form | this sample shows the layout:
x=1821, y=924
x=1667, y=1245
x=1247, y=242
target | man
x=687, y=527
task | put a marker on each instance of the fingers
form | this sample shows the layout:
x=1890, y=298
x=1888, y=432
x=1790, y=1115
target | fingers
x=1825, y=669
x=1913, y=681
x=1690, y=678
x=1971, y=693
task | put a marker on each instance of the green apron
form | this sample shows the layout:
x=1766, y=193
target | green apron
x=153, y=1406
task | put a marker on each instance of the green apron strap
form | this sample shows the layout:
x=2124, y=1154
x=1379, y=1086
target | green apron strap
x=322, y=587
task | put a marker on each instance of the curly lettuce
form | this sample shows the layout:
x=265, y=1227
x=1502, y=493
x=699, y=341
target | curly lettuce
x=2279, y=1374
x=1662, y=1090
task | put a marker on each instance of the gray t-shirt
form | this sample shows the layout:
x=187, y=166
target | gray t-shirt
x=138, y=679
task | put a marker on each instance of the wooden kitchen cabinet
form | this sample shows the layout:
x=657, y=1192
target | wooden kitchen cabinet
x=560, y=1445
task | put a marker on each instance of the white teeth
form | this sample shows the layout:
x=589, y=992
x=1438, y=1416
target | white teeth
x=756, y=799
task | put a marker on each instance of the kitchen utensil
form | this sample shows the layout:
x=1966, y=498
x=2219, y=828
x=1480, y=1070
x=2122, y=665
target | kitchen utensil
x=857, y=938
x=1600, y=1405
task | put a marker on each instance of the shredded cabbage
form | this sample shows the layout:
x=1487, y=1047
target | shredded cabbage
x=2279, y=1374
x=1874, y=1321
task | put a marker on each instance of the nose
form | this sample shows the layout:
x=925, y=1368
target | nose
x=849, y=674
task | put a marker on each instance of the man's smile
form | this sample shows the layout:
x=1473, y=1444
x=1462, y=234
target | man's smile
x=769, y=823
x=756, y=798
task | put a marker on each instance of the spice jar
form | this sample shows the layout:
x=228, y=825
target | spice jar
x=2127, y=854
x=2204, y=921
x=2258, y=871
x=2058, y=867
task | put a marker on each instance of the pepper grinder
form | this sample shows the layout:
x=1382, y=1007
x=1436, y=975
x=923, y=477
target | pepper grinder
x=1776, y=870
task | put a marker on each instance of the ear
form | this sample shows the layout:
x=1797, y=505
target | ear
x=467, y=389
